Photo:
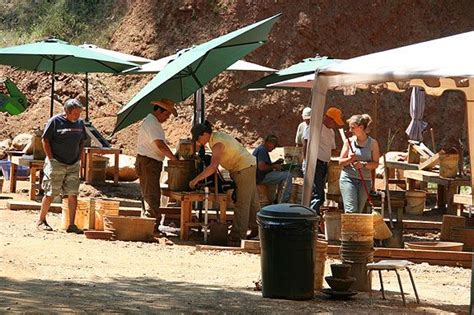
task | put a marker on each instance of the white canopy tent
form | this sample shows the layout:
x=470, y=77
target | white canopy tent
x=436, y=66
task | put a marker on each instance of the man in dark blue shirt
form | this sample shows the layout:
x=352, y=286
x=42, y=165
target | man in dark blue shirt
x=269, y=173
x=63, y=143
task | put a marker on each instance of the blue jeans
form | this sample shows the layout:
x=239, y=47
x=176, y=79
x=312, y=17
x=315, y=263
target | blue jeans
x=353, y=193
x=276, y=178
x=318, y=196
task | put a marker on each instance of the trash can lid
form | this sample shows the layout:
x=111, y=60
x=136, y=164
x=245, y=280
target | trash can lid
x=288, y=211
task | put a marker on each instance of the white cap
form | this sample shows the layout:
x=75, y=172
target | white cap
x=306, y=113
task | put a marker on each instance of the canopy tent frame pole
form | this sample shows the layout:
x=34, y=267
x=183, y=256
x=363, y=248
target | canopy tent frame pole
x=470, y=138
x=52, y=90
x=318, y=101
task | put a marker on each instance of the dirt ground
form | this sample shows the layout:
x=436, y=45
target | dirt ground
x=59, y=272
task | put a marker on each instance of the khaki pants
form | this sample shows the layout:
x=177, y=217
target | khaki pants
x=247, y=204
x=149, y=172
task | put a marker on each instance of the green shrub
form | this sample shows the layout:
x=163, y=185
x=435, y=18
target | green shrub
x=75, y=21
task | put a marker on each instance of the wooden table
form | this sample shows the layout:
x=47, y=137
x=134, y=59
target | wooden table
x=187, y=199
x=34, y=165
x=400, y=165
x=447, y=187
x=86, y=168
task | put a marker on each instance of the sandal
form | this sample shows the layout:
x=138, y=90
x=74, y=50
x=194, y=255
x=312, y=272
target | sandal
x=74, y=229
x=44, y=226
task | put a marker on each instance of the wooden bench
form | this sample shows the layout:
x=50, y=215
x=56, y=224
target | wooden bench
x=186, y=199
x=36, y=173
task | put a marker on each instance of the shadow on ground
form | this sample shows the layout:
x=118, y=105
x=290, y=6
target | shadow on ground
x=154, y=295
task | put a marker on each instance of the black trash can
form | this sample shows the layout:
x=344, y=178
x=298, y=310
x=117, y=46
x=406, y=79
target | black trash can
x=287, y=234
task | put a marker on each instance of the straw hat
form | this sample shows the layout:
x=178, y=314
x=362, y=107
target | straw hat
x=166, y=105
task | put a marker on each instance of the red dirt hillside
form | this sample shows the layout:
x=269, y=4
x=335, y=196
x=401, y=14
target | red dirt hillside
x=341, y=29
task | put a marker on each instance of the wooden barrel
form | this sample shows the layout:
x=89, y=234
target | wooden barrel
x=293, y=155
x=381, y=230
x=185, y=149
x=448, y=165
x=334, y=172
x=98, y=169
x=103, y=208
x=180, y=173
x=320, y=250
x=416, y=200
x=84, y=219
x=357, y=227
x=450, y=222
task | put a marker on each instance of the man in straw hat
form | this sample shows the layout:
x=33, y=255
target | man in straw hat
x=151, y=151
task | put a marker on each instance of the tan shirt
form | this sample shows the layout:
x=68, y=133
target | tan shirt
x=234, y=156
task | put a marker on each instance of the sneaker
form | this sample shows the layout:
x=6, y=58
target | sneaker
x=233, y=240
x=74, y=229
x=252, y=235
x=43, y=226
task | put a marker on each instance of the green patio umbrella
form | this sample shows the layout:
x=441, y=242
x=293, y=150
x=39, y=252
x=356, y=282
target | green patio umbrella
x=307, y=66
x=54, y=56
x=193, y=68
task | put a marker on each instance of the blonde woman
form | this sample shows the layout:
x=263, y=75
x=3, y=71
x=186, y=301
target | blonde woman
x=358, y=161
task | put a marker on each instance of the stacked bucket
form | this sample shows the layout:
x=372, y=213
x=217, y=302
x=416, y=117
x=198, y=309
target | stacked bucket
x=357, y=247
x=320, y=251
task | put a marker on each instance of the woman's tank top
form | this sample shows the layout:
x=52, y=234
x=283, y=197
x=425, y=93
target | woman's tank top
x=363, y=154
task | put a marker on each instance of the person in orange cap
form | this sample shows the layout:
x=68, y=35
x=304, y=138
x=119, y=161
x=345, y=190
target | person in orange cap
x=331, y=120
x=151, y=151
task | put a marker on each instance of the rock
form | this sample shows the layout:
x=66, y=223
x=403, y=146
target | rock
x=21, y=141
x=4, y=146
x=126, y=168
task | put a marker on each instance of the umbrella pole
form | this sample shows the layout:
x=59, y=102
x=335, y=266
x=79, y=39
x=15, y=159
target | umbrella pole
x=195, y=119
x=87, y=96
x=203, y=114
x=198, y=115
x=52, y=91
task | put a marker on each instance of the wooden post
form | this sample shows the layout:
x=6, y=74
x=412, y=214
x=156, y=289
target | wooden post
x=116, y=166
x=12, y=177
x=33, y=170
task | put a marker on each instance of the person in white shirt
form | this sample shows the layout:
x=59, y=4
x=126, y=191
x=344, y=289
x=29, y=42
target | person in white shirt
x=302, y=126
x=151, y=151
x=332, y=120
